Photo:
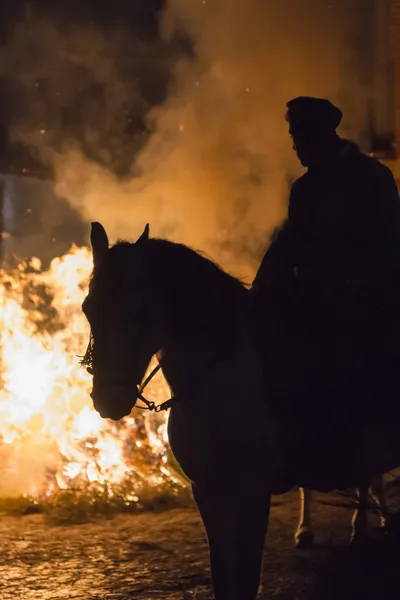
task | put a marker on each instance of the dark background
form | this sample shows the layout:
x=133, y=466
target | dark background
x=33, y=220
x=140, y=18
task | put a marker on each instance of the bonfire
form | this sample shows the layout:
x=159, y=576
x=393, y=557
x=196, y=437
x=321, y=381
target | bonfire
x=54, y=447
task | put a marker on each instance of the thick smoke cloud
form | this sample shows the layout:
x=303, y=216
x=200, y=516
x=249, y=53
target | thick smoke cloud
x=215, y=170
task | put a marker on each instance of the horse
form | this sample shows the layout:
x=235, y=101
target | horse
x=304, y=535
x=156, y=297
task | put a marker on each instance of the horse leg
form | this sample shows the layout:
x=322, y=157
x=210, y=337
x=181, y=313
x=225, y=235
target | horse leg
x=359, y=521
x=236, y=528
x=304, y=536
x=378, y=494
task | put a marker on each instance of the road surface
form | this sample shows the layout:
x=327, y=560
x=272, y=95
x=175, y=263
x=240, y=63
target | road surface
x=164, y=556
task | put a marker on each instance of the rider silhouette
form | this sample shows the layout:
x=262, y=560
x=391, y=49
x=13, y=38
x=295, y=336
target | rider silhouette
x=334, y=263
x=343, y=225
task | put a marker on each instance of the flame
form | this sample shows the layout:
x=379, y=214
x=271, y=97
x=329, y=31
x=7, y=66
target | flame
x=50, y=436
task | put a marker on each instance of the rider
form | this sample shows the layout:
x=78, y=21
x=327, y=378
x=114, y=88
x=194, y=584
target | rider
x=343, y=223
x=340, y=243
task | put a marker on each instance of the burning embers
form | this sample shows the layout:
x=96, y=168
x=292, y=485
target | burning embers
x=51, y=438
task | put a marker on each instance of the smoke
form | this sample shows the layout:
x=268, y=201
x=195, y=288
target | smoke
x=215, y=169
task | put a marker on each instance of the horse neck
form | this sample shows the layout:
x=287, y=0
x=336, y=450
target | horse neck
x=212, y=382
x=197, y=307
x=191, y=348
x=188, y=364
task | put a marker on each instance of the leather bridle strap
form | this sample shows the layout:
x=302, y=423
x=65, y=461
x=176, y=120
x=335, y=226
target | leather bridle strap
x=168, y=403
x=149, y=404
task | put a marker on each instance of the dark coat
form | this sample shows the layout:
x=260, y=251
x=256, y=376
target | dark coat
x=327, y=294
x=343, y=224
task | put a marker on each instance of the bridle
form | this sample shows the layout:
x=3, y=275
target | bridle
x=150, y=405
x=87, y=362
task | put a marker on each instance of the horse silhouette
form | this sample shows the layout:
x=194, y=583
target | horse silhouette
x=158, y=297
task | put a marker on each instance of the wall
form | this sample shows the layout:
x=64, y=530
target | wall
x=382, y=63
x=393, y=40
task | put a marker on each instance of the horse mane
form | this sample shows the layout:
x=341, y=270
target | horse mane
x=196, y=264
x=195, y=291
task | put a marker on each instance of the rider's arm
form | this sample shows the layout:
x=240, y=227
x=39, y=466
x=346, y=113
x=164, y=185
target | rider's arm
x=275, y=261
x=279, y=260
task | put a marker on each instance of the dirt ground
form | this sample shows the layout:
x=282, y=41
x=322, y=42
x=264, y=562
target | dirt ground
x=164, y=555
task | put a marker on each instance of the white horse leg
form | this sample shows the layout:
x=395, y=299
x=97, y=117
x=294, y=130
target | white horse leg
x=304, y=536
x=359, y=521
x=379, y=496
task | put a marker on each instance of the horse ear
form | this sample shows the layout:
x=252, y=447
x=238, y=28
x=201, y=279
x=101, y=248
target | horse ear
x=99, y=241
x=145, y=235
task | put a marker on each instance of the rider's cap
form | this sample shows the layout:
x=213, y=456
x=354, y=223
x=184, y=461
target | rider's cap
x=312, y=116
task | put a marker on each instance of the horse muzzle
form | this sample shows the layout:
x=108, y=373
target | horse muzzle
x=114, y=402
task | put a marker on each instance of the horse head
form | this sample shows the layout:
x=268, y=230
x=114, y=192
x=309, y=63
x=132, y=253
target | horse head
x=117, y=308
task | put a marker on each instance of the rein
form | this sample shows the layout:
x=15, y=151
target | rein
x=87, y=362
x=168, y=403
x=149, y=404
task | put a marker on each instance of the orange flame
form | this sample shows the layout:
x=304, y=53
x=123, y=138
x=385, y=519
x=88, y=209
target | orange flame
x=50, y=436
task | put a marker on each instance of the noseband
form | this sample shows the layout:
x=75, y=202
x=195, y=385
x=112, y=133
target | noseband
x=87, y=362
x=149, y=404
